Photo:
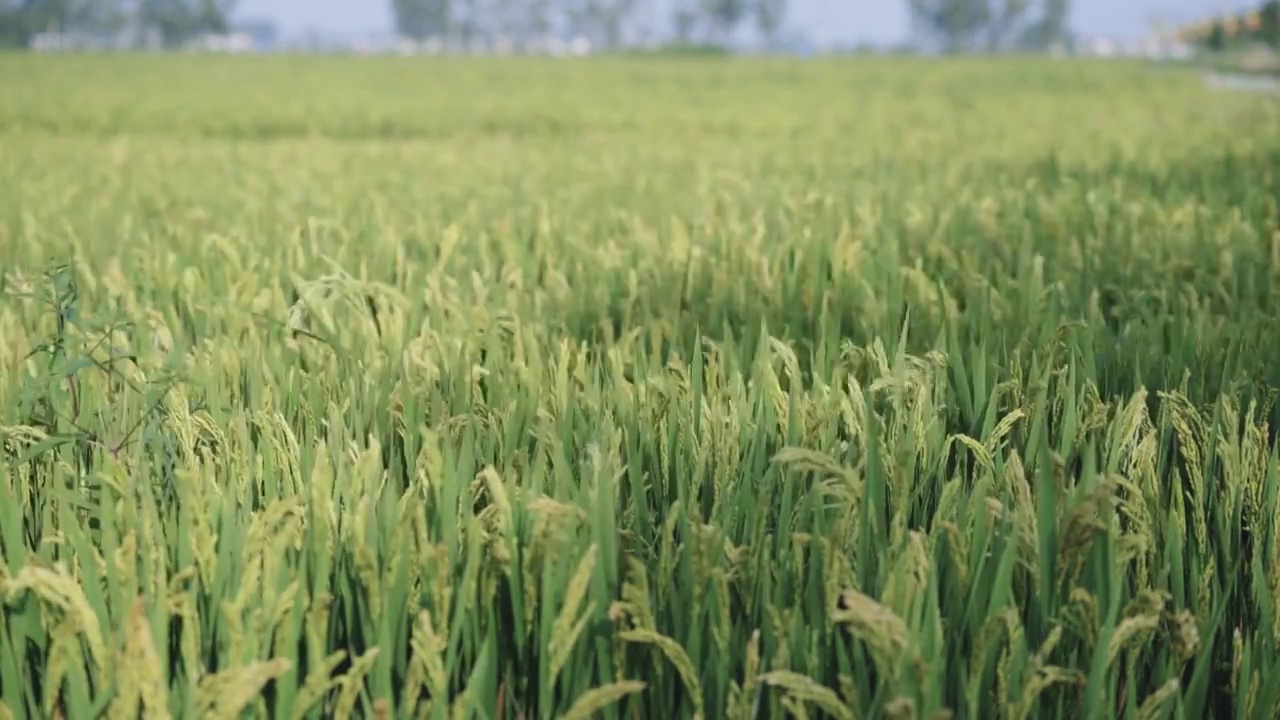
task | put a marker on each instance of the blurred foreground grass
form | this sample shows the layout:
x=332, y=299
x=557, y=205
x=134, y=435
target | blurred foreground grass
x=639, y=388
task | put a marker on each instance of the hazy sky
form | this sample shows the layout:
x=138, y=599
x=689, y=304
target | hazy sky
x=880, y=21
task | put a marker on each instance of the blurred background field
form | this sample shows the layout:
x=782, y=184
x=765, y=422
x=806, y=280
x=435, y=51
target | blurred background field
x=636, y=387
x=259, y=97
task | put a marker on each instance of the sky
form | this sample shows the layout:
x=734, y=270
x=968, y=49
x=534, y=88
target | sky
x=826, y=21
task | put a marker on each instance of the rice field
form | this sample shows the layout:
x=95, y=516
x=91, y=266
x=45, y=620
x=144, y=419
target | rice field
x=635, y=389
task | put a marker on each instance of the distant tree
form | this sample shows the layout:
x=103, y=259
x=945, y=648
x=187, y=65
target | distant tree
x=22, y=20
x=537, y=18
x=15, y=24
x=617, y=14
x=16, y=27
x=601, y=21
x=1048, y=26
x=953, y=25
x=1269, y=27
x=1217, y=41
x=1004, y=20
x=684, y=17
x=967, y=25
x=577, y=16
x=465, y=19
x=724, y=17
x=215, y=15
x=420, y=19
x=101, y=17
x=180, y=20
x=770, y=15
x=505, y=17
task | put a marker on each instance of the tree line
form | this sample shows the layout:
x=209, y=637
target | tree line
x=606, y=23
x=173, y=21
x=949, y=25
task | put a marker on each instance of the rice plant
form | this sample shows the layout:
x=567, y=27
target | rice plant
x=636, y=389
